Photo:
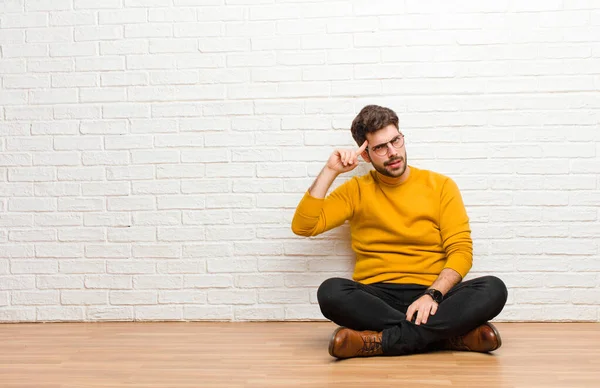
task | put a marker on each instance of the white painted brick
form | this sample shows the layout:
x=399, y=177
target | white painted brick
x=17, y=282
x=233, y=297
x=80, y=173
x=207, y=281
x=82, y=266
x=304, y=313
x=34, y=298
x=77, y=143
x=179, y=171
x=108, y=251
x=182, y=267
x=268, y=313
x=133, y=297
x=59, y=314
x=81, y=234
x=195, y=186
x=206, y=217
x=73, y=49
x=125, y=111
x=110, y=314
x=157, y=218
x=31, y=204
x=133, y=234
x=156, y=187
x=182, y=297
x=15, y=220
x=155, y=156
x=49, y=35
x=33, y=19
x=13, y=66
x=56, y=159
x=21, y=50
x=174, y=77
x=83, y=297
x=153, y=126
x=58, y=250
x=72, y=18
x=165, y=251
x=17, y=314
x=148, y=30
x=104, y=188
x=207, y=250
x=153, y=282
x=113, y=282
x=121, y=142
x=122, y=16
x=213, y=313
x=77, y=112
x=26, y=81
x=80, y=204
x=107, y=219
x=229, y=233
x=47, y=5
x=120, y=47
x=130, y=173
x=147, y=3
x=37, y=235
x=182, y=234
x=158, y=313
x=106, y=158
x=55, y=128
x=238, y=264
x=130, y=267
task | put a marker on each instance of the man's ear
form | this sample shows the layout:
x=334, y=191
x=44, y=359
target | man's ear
x=365, y=156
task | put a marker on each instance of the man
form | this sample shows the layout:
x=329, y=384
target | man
x=412, y=239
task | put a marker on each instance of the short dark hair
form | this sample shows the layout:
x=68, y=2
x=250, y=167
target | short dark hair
x=371, y=119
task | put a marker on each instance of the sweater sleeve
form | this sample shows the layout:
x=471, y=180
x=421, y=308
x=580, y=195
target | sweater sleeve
x=455, y=229
x=317, y=215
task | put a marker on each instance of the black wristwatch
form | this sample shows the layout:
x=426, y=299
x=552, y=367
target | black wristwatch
x=435, y=295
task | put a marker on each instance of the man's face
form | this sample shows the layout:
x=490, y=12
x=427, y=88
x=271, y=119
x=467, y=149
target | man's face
x=393, y=163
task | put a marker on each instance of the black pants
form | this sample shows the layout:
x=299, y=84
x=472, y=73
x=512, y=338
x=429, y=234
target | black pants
x=382, y=307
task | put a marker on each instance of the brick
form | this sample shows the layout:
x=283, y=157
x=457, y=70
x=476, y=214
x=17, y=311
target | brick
x=235, y=265
x=32, y=204
x=182, y=297
x=157, y=218
x=58, y=250
x=133, y=297
x=166, y=251
x=83, y=297
x=233, y=297
x=156, y=187
x=107, y=219
x=268, y=313
x=59, y=314
x=181, y=234
x=207, y=250
x=133, y=234
x=213, y=313
x=207, y=281
x=82, y=266
x=110, y=314
x=49, y=35
x=130, y=267
x=104, y=188
x=80, y=204
x=153, y=282
x=34, y=298
x=182, y=267
x=112, y=251
x=72, y=18
x=112, y=282
x=206, y=217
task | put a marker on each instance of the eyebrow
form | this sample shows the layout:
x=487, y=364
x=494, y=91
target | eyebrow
x=385, y=143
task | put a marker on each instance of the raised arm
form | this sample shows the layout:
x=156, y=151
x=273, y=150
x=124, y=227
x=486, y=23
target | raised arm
x=316, y=214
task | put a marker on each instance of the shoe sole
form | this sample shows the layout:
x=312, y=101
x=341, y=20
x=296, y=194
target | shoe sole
x=332, y=343
x=497, y=334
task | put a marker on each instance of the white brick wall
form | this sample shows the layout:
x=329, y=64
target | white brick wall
x=153, y=151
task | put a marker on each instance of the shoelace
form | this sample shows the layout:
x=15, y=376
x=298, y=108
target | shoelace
x=370, y=345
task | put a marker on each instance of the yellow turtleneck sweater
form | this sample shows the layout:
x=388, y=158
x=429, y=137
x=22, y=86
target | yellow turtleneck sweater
x=401, y=233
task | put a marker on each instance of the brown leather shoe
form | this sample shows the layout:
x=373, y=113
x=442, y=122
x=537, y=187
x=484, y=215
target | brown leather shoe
x=346, y=343
x=484, y=338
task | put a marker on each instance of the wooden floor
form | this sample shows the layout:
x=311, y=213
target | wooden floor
x=178, y=354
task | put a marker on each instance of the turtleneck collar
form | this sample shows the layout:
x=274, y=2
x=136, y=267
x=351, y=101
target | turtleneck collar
x=393, y=182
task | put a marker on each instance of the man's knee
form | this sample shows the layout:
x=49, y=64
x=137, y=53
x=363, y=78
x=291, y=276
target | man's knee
x=497, y=289
x=331, y=293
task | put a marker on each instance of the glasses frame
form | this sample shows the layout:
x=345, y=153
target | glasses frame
x=385, y=149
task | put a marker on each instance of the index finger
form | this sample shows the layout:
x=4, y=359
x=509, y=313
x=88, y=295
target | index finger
x=362, y=147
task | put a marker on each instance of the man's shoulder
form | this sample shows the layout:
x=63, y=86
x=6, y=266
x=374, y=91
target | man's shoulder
x=433, y=179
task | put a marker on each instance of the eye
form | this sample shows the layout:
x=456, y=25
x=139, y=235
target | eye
x=396, y=141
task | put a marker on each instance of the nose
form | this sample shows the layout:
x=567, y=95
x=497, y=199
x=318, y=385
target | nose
x=391, y=149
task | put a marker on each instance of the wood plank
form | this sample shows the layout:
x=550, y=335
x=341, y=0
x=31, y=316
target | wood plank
x=280, y=354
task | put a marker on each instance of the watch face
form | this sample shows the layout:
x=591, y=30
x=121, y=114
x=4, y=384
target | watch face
x=436, y=295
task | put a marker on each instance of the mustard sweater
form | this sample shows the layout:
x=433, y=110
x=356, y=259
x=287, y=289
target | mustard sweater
x=401, y=233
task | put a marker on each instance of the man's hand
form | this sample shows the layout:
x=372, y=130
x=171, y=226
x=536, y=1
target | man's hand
x=424, y=306
x=342, y=161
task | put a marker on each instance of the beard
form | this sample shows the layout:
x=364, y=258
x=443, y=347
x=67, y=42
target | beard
x=392, y=172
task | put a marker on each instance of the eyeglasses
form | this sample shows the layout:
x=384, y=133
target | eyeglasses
x=382, y=149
